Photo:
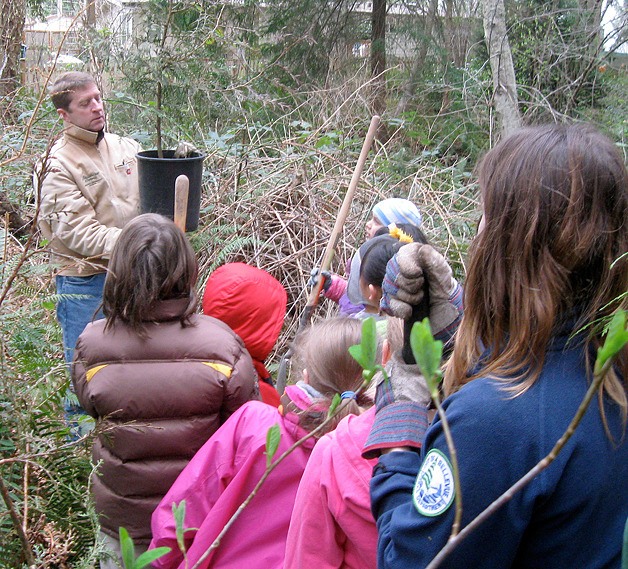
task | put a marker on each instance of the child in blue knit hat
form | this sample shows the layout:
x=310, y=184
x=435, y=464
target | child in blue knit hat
x=346, y=292
x=393, y=210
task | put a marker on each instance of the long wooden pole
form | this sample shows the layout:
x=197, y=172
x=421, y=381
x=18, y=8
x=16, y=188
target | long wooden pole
x=331, y=245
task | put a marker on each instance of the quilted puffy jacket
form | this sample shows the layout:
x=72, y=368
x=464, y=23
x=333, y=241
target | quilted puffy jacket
x=157, y=401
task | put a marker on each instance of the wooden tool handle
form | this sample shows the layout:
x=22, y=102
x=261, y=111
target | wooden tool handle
x=181, y=189
x=342, y=214
x=306, y=315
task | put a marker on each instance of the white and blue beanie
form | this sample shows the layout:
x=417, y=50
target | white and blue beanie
x=397, y=210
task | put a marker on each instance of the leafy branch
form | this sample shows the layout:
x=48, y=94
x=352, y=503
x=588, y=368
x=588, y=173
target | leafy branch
x=127, y=549
x=428, y=354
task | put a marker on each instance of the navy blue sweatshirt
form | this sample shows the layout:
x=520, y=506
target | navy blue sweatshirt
x=570, y=516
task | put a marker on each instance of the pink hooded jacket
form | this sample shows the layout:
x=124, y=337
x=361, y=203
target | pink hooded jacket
x=219, y=478
x=332, y=525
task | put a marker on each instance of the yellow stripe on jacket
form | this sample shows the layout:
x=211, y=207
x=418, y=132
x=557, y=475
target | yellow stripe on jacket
x=220, y=368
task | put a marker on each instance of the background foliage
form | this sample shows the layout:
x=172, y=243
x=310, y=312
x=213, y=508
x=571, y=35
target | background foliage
x=280, y=102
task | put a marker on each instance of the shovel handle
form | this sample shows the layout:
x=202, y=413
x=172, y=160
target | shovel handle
x=306, y=315
x=340, y=220
x=181, y=190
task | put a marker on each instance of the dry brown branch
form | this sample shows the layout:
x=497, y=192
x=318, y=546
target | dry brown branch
x=281, y=216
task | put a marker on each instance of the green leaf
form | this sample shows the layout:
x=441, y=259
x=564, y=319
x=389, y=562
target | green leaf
x=127, y=549
x=48, y=305
x=273, y=436
x=149, y=556
x=365, y=353
x=178, y=512
x=616, y=339
x=427, y=353
x=334, y=404
x=356, y=353
x=369, y=374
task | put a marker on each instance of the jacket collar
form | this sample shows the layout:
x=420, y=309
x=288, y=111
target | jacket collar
x=292, y=426
x=170, y=309
x=83, y=135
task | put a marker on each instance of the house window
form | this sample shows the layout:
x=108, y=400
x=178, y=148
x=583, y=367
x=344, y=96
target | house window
x=69, y=7
x=122, y=26
x=59, y=8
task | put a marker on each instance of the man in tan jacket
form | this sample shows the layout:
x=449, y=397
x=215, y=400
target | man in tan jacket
x=88, y=190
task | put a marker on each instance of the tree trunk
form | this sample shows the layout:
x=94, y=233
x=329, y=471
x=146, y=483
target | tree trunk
x=411, y=84
x=11, y=31
x=505, y=100
x=90, y=14
x=378, y=55
x=591, y=42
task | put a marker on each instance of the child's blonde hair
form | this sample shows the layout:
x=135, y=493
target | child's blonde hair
x=323, y=349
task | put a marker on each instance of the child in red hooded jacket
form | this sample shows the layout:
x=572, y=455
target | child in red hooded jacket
x=253, y=304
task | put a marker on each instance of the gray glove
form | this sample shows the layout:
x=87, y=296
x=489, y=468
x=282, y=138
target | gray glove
x=403, y=285
x=401, y=403
x=442, y=286
x=404, y=383
x=184, y=149
x=314, y=276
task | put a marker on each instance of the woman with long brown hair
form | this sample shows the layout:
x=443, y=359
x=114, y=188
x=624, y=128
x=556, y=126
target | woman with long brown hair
x=546, y=270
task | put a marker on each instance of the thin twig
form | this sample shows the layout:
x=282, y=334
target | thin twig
x=453, y=455
x=267, y=473
x=17, y=524
x=42, y=92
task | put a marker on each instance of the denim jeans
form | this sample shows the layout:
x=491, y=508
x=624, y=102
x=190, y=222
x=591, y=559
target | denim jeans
x=82, y=297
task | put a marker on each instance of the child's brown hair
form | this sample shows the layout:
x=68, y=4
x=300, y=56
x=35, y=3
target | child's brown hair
x=151, y=261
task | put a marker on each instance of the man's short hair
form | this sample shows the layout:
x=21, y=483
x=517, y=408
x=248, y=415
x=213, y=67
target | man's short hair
x=62, y=90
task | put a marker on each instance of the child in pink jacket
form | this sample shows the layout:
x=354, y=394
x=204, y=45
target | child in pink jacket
x=227, y=468
x=333, y=501
x=332, y=525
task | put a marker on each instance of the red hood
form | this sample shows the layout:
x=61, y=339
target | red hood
x=251, y=302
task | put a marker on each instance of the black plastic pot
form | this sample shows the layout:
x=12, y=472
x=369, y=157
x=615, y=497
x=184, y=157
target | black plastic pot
x=156, y=180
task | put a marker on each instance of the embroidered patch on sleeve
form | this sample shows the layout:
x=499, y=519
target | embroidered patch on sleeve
x=92, y=179
x=433, y=489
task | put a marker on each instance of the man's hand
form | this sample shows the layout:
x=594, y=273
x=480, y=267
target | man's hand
x=184, y=149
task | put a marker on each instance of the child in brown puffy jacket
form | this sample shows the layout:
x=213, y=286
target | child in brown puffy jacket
x=159, y=378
